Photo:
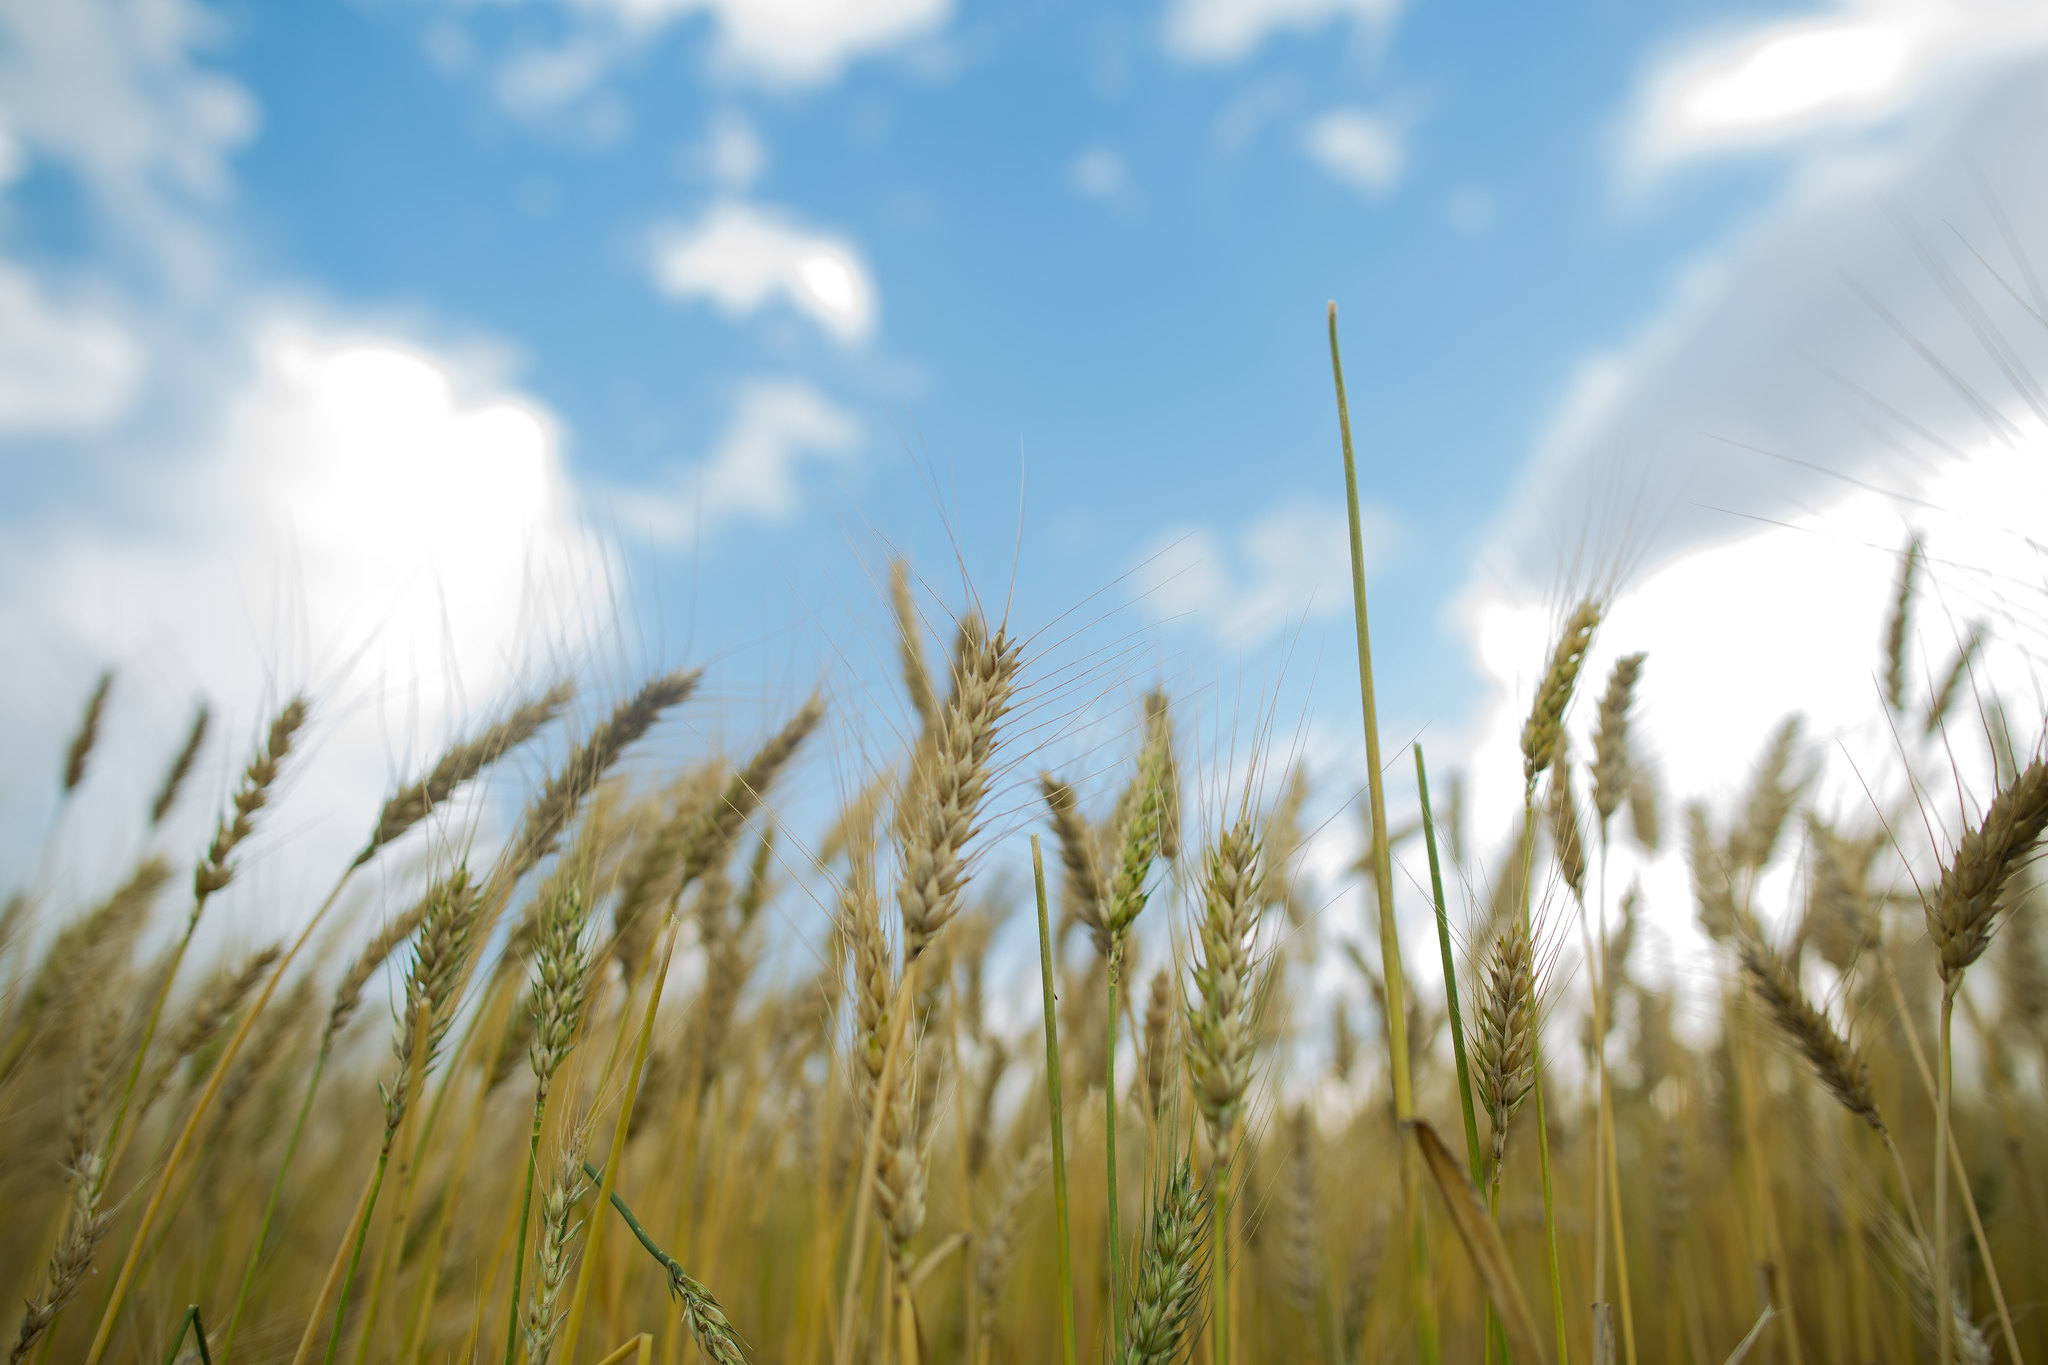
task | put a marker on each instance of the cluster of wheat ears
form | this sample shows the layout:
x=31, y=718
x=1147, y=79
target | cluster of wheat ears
x=603, y=1131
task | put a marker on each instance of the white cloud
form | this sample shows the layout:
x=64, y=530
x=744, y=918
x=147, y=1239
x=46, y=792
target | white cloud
x=733, y=152
x=741, y=258
x=1231, y=30
x=60, y=369
x=365, y=518
x=542, y=80
x=1361, y=149
x=1099, y=173
x=1774, y=341
x=778, y=428
x=113, y=90
x=1469, y=210
x=1865, y=62
x=788, y=42
x=1246, y=585
x=1789, y=619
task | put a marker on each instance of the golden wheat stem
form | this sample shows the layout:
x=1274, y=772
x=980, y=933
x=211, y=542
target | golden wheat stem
x=291, y=1148
x=871, y=1147
x=1536, y=1092
x=631, y=1092
x=1064, y=1248
x=123, y=1281
x=1611, y=1175
x=1968, y=1198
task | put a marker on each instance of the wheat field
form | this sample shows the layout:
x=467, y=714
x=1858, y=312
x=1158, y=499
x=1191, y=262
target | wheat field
x=582, y=1096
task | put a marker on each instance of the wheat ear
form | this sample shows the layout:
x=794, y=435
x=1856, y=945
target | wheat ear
x=87, y=735
x=181, y=766
x=1166, y=1291
x=412, y=803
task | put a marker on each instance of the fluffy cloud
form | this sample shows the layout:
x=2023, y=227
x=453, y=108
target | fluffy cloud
x=742, y=258
x=61, y=369
x=778, y=428
x=1231, y=30
x=114, y=90
x=1789, y=618
x=1099, y=173
x=1247, y=584
x=786, y=42
x=733, y=154
x=1363, y=150
x=1861, y=64
x=385, y=526
x=1823, y=343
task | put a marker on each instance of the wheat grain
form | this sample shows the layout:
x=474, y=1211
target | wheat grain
x=1896, y=628
x=1504, y=1033
x=1219, y=1045
x=1540, y=733
x=181, y=766
x=1166, y=1289
x=1841, y=1070
x=1613, y=766
x=917, y=677
x=559, y=1227
x=942, y=808
x=87, y=735
x=557, y=802
x=1964, y=908
x=414, y=802
x=217, y=868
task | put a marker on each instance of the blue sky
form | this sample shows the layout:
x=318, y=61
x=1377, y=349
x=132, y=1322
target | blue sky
x=422, y=322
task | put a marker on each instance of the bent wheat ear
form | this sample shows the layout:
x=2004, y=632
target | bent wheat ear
x=414, y=802
x=1841, y=1070
x=216, y=869
x=557, y=804
x=348, y=995
x=712, y=840
x=1964, y=908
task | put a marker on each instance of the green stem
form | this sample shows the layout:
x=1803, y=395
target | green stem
x=1944, y=1317
x=191, y=1323
x=1116, y=1318
x=355, y=1253
x=668, y=1262
x=1451, y=999
x=519, y=1245
x=115, y=1142
x=1052, y=1084
x=1383, y=877
x=1536, y=1091
x=1219, y=1257
x=291, y=1148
